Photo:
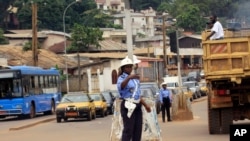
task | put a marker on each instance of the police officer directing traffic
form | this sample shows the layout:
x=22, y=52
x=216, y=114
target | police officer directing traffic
x=166, y=99
x=129, y=88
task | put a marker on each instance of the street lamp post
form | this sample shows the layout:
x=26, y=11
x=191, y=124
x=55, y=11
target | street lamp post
x=65, y=46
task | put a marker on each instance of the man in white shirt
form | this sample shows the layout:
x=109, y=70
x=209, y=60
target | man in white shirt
x=217, y=32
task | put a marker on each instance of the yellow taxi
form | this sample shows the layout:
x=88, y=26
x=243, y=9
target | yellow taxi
x=203, y=88
x=187, y=92
x=101, y=105
x=75, y=105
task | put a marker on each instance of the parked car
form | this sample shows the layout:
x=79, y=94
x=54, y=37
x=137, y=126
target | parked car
x=152, y=85
x=148, y=93
x=115, y=93
x=100, y=104
x=194, y=76
x=75, y=105
x=155, y=89
x=110, y=98
x=202, y=74
x=194, y=87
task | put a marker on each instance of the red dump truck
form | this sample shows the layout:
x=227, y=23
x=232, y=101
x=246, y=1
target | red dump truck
x=226, y=65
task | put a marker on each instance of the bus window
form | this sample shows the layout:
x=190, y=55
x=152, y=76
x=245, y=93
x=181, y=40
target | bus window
x=17, y=88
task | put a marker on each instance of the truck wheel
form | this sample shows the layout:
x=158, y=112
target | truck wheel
x=227, y=120
x=214, y=121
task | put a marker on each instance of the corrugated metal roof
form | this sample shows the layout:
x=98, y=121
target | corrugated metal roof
x=24, y=35
x=114, y=55
x=152, y=38
x=22, y=31
x=117, y=55
x=109, y=45
x=46, y=59
x=196, y=36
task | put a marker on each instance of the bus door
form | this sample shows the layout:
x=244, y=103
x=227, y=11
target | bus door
x=37, y=94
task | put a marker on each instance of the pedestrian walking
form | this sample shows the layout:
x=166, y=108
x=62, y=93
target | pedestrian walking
x=129, y=88
x=166, y=100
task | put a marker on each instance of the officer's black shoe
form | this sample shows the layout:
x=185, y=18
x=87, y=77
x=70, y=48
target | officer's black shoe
x=169, y=120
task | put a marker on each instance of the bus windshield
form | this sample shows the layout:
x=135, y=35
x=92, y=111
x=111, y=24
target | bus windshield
x=10, y=88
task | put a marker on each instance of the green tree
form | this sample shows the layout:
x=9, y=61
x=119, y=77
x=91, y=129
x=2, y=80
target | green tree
x=50, y=13
x=3, y=40
x=83, y=37
x=4, y=4
x=28, y=46
x=97, y=18
x=190, y=18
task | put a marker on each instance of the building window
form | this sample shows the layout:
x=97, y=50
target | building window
x=114, y=77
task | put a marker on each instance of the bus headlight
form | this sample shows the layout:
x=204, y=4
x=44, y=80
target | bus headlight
x=19, y=106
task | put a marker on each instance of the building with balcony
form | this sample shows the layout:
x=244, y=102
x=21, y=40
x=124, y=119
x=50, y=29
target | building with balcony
x=115, y=5
x=142, y=22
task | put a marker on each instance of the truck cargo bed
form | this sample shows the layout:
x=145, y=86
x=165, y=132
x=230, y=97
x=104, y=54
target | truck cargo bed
x=227, y=58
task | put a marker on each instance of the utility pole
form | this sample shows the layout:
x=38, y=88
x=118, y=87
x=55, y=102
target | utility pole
x=128, y=29
x=178, y=58
x=34, y=34
x=79, y=71
x=164, y=46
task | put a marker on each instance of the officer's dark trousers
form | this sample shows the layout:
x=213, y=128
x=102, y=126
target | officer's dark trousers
x=166, y=107
x=132, y=127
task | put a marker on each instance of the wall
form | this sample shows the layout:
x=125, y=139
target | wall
x=18, y=41
x=52, y=40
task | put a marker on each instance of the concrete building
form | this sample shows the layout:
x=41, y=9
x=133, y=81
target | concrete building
x=115, y=5
x=142, y=22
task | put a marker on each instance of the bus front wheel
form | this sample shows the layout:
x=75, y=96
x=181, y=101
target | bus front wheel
x=32, y=111
x=52, y=109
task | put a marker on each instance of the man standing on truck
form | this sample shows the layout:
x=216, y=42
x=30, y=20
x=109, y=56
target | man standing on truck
x=217, y=32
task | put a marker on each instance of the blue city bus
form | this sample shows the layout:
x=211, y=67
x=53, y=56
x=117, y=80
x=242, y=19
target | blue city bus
x=26, y=91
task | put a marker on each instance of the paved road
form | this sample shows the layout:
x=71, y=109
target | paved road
x=99, y=129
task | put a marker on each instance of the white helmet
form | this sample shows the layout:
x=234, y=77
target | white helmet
x=126, y=61
x=163, y=83
x=135, y=60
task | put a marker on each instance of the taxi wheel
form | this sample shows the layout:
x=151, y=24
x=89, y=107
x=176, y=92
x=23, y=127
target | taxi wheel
x=89, y=116
x=58, y=120
x=94, y=115
x=106, y=112
x=112, y=110
x=103, y=113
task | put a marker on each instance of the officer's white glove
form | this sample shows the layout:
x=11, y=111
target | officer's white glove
x=131, y=107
